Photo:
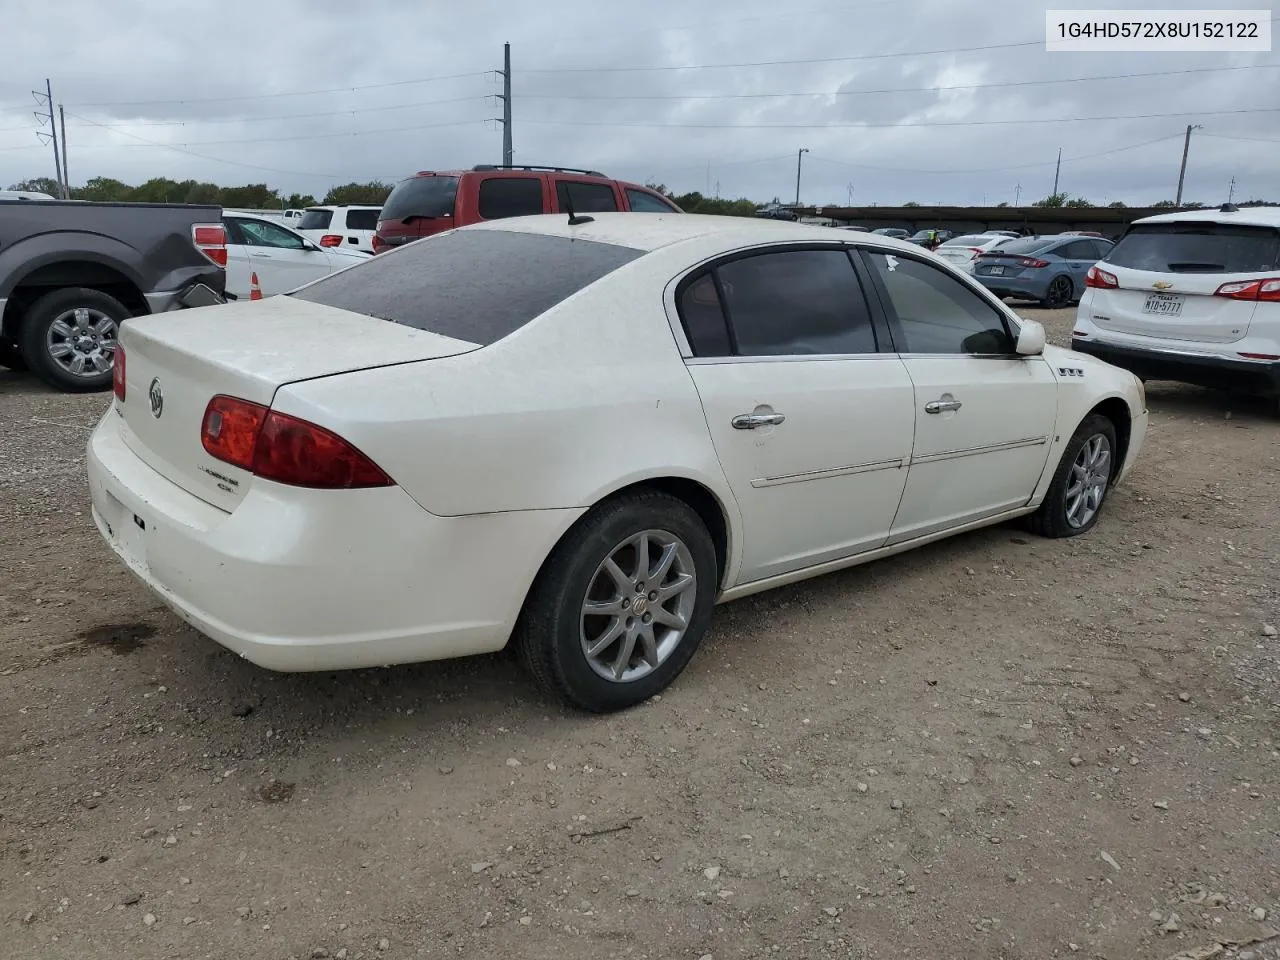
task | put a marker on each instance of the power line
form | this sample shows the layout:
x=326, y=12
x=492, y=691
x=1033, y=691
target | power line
x=292, y=93
x=852, y=93
x=889, y=126
x=296, y=116
x=1019, y=166
x=214, y=143
x=1225, y=136
x=205, y=156
x=777, y=63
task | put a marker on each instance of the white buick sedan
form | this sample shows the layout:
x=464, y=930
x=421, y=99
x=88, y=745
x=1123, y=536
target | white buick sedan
x=579, y=436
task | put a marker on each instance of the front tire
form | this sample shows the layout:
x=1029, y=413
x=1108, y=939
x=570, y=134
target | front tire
x=622, y=603
x=1080, y=484
x=69, y=338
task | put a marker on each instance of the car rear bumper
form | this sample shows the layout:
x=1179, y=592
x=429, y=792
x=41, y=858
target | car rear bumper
x=302, y=580
x=1221, y=373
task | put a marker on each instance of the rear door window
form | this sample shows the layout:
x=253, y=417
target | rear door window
x=362, y=219
x=428, y=197
x=502, y=197
x=1078, y=250
x=1195, y=247
x=472, y=285
x=796, y=302
x=585, y=197
x=642, y=201
x=315, y=220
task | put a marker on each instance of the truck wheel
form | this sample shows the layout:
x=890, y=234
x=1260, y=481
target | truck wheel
x=69, y=338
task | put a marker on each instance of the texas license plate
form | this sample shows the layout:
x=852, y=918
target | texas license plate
x=1163, y=304
x=997, y=271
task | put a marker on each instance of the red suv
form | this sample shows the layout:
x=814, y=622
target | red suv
x=433, y=201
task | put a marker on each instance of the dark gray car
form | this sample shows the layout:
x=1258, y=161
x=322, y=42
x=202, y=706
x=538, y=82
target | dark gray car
x=72, y=272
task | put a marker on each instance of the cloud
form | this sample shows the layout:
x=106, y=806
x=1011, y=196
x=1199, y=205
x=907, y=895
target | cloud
x=303, y=94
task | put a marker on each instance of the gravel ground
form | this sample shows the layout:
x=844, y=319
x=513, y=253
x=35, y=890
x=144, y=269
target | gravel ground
x=994, y=747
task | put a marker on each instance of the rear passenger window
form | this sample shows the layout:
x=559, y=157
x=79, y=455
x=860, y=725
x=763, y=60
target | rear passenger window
x=585, y=197
x=502, y=197
x=1078, y=250
x=362, y=219
x=642, y=201
x=703, y=319
x=796, y=302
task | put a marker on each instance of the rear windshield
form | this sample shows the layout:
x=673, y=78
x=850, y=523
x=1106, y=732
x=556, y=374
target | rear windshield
x=473, y=285
x=973, y=241
x=314, y=220
x=421, y=197
x=1027, y=245
x=1192, y=247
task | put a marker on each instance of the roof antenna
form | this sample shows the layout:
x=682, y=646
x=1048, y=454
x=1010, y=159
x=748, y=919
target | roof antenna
x=574, y=219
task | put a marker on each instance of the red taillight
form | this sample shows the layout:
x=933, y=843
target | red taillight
x=378, y=243
x=1100, y=279
x=211, y=240
x=1260, y=356
x=276, y=446
x=117, y=373
x=331, y=240
x=1032, y=262
x=230, y=430
x=1265, y=290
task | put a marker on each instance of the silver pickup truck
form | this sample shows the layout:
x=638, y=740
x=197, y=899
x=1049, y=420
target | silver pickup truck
x=72, y=272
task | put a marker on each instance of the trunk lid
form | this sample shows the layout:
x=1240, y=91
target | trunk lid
x=176, y=362
x=1171, y=306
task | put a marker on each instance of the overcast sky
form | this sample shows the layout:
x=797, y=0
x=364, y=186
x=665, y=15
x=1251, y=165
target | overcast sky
x=315, y=92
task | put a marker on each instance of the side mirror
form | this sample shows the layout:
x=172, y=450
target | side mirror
x=1030, y=339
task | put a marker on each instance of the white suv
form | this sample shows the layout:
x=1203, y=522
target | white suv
x=1192, y=297
x=349, y=227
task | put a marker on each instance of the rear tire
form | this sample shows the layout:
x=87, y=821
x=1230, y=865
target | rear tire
x=599, y=583
x=1060, y=292
x=1080, y=485
x=69, y=338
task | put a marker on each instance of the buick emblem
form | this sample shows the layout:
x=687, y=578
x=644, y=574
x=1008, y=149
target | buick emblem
x=156, y=396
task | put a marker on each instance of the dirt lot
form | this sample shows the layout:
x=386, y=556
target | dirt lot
x=995, y=747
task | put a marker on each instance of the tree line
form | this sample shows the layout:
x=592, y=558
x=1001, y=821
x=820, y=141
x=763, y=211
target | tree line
x=259, y=196
x=251, y=196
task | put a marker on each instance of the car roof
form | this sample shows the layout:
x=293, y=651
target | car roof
x=1249, y=216
x=344, y=206
x=534, y=172
x=652, y=231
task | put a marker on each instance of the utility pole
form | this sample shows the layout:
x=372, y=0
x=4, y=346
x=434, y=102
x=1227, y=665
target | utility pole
x=506, y=104
x=1017, y=194
x=1231, y=191
x=1182, y=173
x=62, y=132
x=799, y=157
x=1057, y=170
x=46, y=100
x=850, y=200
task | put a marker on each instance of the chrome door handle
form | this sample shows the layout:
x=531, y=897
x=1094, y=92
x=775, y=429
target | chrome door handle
x=265, y=256
x=940, y=406
x=749, y=421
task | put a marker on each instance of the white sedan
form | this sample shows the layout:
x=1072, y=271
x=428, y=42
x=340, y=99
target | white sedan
x=282, y=258
x=579, y=437
x=963, y=252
